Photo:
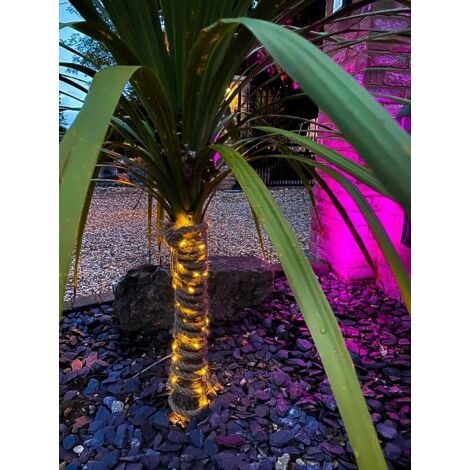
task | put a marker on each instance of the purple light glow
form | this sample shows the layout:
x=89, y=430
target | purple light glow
x=337, y=246
x=332, y=241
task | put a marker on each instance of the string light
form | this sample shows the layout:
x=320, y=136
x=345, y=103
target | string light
x=189, y=270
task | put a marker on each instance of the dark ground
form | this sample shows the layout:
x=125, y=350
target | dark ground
x=276, y=399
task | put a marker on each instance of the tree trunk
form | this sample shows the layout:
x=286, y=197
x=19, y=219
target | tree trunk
x=190, y=385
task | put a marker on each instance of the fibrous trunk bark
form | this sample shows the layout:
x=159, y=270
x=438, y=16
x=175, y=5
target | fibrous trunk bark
x=190, y=384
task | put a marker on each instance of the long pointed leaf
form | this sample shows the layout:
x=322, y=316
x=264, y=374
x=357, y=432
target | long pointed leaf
x=317, y=313
x=79, y=151
x=350, y=167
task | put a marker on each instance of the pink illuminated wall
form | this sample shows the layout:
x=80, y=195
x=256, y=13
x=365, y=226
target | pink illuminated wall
x=331, y=240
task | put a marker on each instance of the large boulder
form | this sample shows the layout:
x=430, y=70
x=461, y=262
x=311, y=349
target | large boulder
x=144, y=297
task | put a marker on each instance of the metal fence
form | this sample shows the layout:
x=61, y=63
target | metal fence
x=277, y=172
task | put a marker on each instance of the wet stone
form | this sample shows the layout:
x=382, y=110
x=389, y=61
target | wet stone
x=142, y=414
x=177, y=436
x=387, y=430
x=333, y=448
x=262, y=411
x=392, y=451
x=304, y=345
x=282, y=462
x=232, y=440
x=196, y=437
x=210, y=447
x=280, y=438
x=191, y=453
x=92, y=387
x=226, y=461
x=70, y=441
x=151, y=459
x=160, y=420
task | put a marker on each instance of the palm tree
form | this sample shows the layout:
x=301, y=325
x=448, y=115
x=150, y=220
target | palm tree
x=180, y=59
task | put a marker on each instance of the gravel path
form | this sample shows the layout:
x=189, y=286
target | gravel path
x=115, y=238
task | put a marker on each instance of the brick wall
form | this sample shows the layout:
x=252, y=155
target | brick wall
x=331, y=240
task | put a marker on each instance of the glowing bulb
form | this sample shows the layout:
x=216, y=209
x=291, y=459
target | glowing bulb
x=183, y=243
x=191, y=290
x=176, y=418
x=173, y=379
x=203, y=401
x=202, y=371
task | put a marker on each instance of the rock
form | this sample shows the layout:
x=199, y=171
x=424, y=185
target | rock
x=333, y=448
x=70, y=441
x=303, y=438
x=117, y=406
x=151, y=459
x=210, y=447
x=102, y=414
x=295, y=391
x=280, y=377
x=227, y=461
x=177, y=436
x=387, y=430
x=160, y=420
x=97, y=466
x=78, y=449
x=196, y=437
x=280, y=438
x=261, y=411
x=108, y=401
x=92, y=387
x=142, y=414
x=232, y=440
x=144, y=297
x=304, y=345
x=282, y=462
x=192, y=453
x=392, y=451
x=70, y=395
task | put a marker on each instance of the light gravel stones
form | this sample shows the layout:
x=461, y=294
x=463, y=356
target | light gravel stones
x=115, y=238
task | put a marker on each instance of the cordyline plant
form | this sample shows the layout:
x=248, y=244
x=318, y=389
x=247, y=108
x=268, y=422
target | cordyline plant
x=180, y=58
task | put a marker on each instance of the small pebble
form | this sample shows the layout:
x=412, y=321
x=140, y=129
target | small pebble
x=117, y=406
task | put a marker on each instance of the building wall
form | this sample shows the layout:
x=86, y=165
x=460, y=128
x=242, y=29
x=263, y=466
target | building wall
x=331, y=240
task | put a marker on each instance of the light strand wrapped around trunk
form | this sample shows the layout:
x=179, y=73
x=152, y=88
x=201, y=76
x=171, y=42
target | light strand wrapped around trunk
x=190, y=384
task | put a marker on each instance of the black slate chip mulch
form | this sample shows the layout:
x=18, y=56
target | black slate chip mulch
x=276, y=399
